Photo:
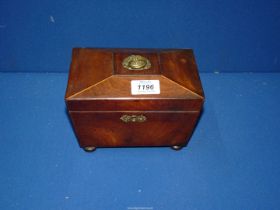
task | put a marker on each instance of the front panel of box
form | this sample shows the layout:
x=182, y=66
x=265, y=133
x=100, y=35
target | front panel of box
x=116, y=129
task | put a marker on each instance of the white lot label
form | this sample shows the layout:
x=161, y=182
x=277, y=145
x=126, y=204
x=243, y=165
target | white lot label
x=143, y=87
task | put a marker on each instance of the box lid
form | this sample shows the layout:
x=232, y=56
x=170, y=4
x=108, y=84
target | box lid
x=100, y=80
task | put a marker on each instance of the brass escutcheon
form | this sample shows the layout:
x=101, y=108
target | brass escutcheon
x=136, y=62
x=133, y=118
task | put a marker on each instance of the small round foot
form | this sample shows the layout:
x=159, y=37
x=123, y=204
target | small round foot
x=89, y=149
x=177, y=147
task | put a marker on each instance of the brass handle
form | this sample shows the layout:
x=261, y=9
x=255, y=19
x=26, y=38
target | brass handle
x=133, y=118
x=136, y=62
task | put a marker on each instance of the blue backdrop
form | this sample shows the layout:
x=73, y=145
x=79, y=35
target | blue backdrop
x=227, y=36
x=232, y=160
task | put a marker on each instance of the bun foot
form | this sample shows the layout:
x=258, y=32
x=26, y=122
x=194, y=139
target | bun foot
x=177, y=147
x=89, y=149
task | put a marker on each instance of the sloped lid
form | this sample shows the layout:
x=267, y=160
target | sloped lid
x=99, y=75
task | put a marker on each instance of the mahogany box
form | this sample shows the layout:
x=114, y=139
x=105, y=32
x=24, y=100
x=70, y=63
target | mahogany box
x=133, y=97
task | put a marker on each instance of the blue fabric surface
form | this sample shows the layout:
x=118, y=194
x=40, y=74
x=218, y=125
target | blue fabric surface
x=231, y=162
x=227, y=36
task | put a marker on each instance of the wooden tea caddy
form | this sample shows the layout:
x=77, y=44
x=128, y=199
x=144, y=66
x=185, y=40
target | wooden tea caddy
x=133, y=97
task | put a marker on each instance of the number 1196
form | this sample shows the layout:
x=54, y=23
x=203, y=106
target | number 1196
x=145, y=87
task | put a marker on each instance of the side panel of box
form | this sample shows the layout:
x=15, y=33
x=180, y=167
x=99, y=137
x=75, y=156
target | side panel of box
x=117, y=129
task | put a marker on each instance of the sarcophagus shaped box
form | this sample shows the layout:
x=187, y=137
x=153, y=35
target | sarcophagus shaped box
x=133, y=97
